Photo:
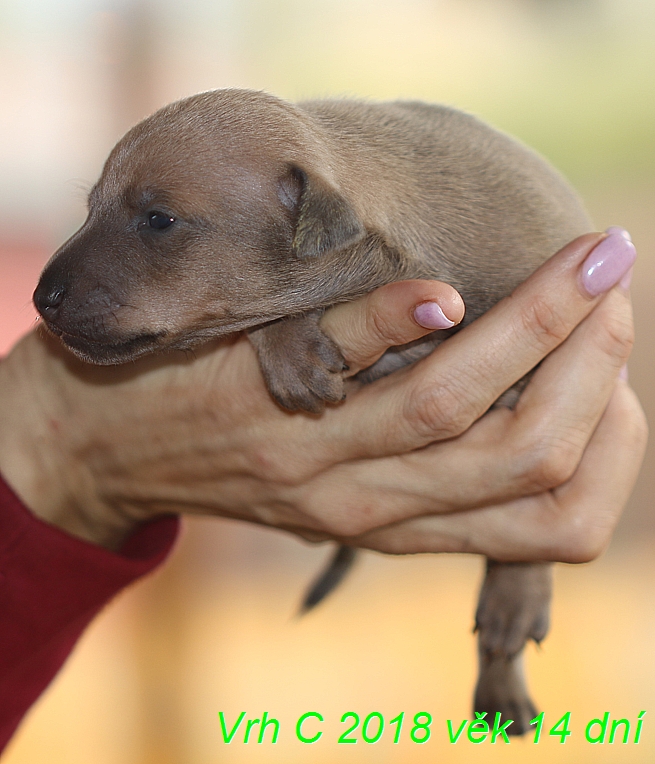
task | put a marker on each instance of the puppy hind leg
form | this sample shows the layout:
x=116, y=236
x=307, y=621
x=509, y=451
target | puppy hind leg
x=501, y=688
x=514, y=606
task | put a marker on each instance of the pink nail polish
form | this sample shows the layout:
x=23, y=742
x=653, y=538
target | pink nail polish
x=607, y=264
x=621, y=231
x=430, y=316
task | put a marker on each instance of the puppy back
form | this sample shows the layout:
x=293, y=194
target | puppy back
x=462, y=201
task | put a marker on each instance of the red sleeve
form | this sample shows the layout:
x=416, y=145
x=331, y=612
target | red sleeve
x=51, y=586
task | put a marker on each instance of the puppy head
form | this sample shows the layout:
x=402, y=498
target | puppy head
x=213, y=215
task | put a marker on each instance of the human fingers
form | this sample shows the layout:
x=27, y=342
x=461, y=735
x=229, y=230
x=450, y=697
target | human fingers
x=560, y=408
x=441, y=396
x=391, y=315
x=572, y=523
x=505, y=455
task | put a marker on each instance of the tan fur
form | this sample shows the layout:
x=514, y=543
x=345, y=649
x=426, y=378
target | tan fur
x=282, y=210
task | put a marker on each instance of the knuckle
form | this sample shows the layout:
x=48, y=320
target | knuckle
x=544, y=323
x=351, y=521
x=278, y=467
x=582, y=544
x=634, y=425
x=617, y=339
x=551, y=464
x=438, y=412
x=640, y=430
x=386, y=330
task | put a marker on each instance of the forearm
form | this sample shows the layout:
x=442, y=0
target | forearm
x=52, y=582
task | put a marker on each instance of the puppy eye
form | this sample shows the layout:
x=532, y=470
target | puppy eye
x=160, y=220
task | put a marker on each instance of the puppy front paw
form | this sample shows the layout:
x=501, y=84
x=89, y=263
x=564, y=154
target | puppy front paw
x=302, y=367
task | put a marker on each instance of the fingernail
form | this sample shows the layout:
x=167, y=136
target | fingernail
x=623, y=374
x=621, y=232
x=607, y=264
x=430, y=316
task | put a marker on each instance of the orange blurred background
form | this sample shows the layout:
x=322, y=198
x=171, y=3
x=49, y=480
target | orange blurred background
x=214, y=630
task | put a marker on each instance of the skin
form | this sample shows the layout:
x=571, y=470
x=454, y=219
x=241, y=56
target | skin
x=98, y=450
x=230, y=209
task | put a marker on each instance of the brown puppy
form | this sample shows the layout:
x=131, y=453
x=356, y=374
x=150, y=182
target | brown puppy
x=232, y=210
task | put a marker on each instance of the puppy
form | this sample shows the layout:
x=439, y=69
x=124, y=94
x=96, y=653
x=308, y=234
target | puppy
x=234, y=211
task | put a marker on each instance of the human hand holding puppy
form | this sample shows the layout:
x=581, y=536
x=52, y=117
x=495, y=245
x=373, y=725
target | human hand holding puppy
x=98, y=450
x=547, y=480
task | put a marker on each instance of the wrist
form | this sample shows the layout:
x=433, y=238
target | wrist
x=44, y=428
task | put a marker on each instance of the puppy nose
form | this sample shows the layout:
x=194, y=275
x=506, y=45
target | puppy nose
x=48, y=301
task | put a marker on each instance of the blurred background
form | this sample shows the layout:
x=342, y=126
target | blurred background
x=214, y=630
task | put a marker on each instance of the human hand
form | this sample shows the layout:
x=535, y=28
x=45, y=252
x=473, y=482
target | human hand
x=96, y=450
x=546, y=481
x=106, y=448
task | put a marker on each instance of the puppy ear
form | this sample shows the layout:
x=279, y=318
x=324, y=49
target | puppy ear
x=324, y=220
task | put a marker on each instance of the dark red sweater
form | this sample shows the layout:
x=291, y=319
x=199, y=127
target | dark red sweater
x=51, y=586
